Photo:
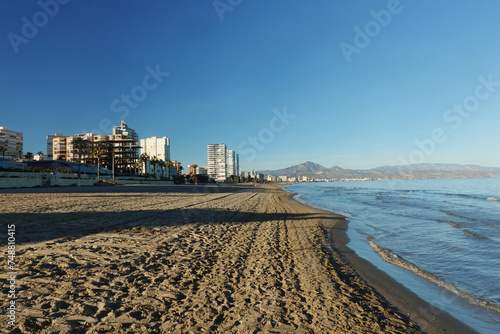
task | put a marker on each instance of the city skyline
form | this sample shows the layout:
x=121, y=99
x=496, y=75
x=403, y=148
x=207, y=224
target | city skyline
x=354, y=85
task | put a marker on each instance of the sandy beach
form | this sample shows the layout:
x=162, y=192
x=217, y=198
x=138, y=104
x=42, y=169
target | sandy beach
x=195, y=259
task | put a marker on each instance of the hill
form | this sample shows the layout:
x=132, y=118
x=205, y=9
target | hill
x=415, y=171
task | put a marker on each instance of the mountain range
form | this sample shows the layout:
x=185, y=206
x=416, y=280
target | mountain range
x=414, y=171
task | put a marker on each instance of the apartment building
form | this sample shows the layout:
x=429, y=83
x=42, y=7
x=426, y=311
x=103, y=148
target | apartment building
x=120, y=151
x=176, y=167
x=63, y=148
x=222, y=162
x=271, y=178
x=11, y=143
x=50, y=145
x=233, y=163
x=156, y=147
x=217, y=161
x=124, y=130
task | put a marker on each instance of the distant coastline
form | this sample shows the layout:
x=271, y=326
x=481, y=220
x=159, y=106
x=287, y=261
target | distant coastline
x=311, y=171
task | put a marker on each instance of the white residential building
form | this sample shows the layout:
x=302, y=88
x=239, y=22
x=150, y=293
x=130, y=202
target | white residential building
x=217, y=161
x=271, y=178
x=40, y=157
x=222, y=163
x=123, y=129
x=11, y=143
x=156, y=147
x=233, y=163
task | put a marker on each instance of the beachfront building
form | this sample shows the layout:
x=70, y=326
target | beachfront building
x=196, y=170
x=222, y=163
x=176, y=168
x=59, y=148
x=11, y=143
x=50, y=145
x=233, y=163
x=63, y=148
x=40, y=157
x=156, y=147
x=283, y=178
x=230, y=162
x=120, y=152
x=124, y=130
x=271, y=178
x=217, y=161
x=253, y=174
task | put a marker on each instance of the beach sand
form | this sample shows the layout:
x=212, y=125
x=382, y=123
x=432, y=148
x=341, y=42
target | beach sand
x=188, y=259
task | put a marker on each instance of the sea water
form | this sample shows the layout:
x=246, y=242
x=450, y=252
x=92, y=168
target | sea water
x=439, y=238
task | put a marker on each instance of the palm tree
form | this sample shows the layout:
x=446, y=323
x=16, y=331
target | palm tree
x=29, y=156
x=137, y=166
x=154, y=162
x=194, y=168
x=3, y=149
x=169, y=164
x=143, y=159
x=161, y=163
x=98, y=151
x=126, y=160
x=40, y=153
x=80, y=144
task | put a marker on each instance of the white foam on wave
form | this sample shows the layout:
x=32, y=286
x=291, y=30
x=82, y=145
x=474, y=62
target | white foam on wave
x=493, y=199
x=393, y=258
x=299, y=199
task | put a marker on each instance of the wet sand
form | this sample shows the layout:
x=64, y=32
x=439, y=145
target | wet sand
x=187, y=259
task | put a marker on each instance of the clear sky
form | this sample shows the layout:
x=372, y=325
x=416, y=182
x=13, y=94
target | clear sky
x=352, y=84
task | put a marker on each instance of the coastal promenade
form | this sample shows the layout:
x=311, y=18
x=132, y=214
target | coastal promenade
x=187, y=259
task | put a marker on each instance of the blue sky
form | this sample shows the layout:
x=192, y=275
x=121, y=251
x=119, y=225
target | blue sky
x=231, y=70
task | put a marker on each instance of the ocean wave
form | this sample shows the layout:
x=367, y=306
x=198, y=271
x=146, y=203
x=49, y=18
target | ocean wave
x=451, y=223
x=493, y=199
x=457, y=215
x=471, y=234
x=461, y=195
x=298, y=198
x=393, y=258
x=494, y=225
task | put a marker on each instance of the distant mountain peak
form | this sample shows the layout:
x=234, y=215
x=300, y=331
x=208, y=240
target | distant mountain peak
x=415, y=171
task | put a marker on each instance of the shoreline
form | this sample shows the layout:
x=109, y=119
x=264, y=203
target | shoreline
x=428, y=317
